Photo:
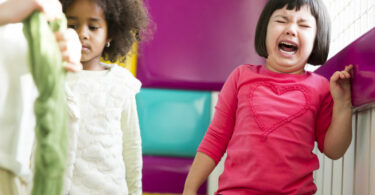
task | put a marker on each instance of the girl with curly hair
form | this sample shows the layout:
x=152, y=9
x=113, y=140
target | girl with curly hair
x=104, y=155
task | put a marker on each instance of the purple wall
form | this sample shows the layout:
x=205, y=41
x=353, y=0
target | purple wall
x=166, y=174
x=196, y=44
x=360, y=53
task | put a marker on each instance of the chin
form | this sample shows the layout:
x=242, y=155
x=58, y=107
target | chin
x=84, y=59
x=291, y=68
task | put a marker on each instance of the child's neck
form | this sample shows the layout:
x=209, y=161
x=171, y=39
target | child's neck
x=93, y=64
x=287, y=70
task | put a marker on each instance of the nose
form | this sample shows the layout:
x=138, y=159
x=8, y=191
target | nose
x=291, y=30
x=83, y=32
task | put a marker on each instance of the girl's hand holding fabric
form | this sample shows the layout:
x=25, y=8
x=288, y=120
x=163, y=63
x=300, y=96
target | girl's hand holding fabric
x=13, y=11
x=52, y=9
x=70, y=48
x=340, y=86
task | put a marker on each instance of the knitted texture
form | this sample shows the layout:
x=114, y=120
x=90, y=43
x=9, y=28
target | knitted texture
x=46, y=67
x=107, y=155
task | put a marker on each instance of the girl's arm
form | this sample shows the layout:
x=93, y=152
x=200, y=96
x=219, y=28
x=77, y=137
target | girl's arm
x=217, y=137
x=132, y=148
x=339, y=133
x=199, y=171
x=13, y=11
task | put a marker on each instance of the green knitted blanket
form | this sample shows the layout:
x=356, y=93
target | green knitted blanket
x=47, y=70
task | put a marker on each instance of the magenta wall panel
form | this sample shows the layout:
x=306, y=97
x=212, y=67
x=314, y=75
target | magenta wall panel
x=360, y=53
x=196, y=44
x=166, y=174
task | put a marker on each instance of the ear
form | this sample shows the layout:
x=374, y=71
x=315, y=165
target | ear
x=109, y=40
x=108, y=43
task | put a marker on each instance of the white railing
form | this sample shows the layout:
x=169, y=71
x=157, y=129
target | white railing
x=354, y=174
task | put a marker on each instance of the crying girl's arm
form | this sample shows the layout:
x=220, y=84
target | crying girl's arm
x=339, y=133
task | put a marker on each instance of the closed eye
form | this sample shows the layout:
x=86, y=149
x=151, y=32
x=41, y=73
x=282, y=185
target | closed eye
x=305, y=26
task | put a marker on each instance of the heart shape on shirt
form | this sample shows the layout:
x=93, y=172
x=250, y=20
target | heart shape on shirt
x=273, y=106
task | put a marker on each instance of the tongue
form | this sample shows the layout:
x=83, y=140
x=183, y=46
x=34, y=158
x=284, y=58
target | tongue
x=287, y=48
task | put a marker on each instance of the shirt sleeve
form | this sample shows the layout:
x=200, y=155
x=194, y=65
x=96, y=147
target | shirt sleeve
x=73, y=116
x=14, y=49
x=220, y=130
x=324, y=119
x=132, y=148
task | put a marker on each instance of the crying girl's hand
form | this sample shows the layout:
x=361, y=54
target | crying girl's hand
x=340, y=86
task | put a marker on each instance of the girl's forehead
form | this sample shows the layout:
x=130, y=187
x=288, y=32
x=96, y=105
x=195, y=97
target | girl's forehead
x=86, y=7
x=303, y=13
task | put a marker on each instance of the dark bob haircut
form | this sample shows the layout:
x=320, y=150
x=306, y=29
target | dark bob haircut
x=320, y=50
x=126, y=20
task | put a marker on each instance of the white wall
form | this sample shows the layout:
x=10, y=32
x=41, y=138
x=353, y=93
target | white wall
x=350, y=19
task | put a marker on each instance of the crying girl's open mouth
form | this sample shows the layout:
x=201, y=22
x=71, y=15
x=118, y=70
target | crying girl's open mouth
x=288, y=47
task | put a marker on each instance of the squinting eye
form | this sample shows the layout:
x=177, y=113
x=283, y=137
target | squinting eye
x=305, y=26
x=280, y=21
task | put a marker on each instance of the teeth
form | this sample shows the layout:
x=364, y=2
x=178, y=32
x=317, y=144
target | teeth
x=289, y=44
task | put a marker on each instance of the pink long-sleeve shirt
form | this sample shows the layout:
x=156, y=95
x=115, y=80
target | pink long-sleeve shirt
x=268, y=123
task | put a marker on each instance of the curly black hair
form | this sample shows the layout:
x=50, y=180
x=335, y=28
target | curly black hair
x=126, y=20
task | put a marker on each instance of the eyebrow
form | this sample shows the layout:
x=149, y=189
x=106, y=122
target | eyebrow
x=286, y=18
x=90, y=19
x=281, y=16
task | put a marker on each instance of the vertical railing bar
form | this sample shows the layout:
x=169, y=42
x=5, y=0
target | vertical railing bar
x=369, y=154
x=324, y=168
x=331, y=161
x=355, y=151
x=342, y=175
